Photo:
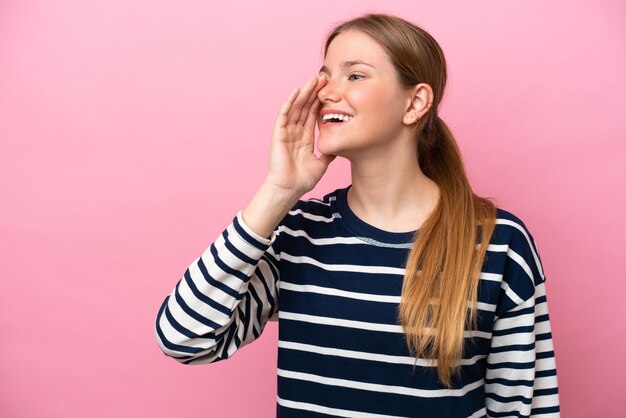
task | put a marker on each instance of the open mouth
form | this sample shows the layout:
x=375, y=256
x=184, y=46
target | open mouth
x=333, y=119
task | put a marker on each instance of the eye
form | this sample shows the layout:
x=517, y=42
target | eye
x=357, y=75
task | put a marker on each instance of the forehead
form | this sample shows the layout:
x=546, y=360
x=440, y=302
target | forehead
x=354, y=45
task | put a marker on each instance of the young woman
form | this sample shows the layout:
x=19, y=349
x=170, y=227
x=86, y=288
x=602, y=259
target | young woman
x=402, y=294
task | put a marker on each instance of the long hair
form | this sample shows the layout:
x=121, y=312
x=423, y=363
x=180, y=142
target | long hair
x=440, y=288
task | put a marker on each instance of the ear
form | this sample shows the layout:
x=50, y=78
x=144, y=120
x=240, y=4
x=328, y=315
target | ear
x=418, y=103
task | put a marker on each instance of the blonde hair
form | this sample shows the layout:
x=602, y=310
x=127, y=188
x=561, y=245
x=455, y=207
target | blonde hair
x=440, y=288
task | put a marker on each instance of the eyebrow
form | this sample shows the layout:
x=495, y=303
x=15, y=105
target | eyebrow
x=346, y=64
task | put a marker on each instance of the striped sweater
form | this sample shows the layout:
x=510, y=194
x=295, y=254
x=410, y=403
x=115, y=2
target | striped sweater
x=334, y=282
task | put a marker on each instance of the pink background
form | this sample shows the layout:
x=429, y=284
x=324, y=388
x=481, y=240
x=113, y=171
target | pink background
x=133, y=131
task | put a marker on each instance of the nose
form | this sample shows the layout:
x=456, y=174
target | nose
x=328, y=91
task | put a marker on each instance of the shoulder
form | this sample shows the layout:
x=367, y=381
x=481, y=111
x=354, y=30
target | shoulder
x=512, y=231
x=509, y=223
x=311, y=211
x=318, y=203
x=321, y=206
x=522, y=270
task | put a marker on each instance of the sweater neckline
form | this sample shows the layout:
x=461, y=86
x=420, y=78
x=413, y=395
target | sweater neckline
x=365, y=230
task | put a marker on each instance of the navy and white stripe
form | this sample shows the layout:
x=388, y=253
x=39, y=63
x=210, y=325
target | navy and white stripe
x=341, y=350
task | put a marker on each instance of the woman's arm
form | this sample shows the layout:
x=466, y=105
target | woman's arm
x=521, y=377
x=224, y=299
x=228, y=294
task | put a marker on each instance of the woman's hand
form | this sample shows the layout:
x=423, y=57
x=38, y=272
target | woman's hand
x=293, y=165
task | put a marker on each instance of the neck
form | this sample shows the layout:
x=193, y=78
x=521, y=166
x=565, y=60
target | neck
x=392, y=194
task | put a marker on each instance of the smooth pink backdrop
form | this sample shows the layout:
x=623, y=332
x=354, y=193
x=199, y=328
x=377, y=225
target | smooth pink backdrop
x=133, y=131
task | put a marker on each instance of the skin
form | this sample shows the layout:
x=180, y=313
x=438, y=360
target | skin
x=389, y=190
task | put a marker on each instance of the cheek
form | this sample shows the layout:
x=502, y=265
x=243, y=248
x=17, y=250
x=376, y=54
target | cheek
x=362, y=99
x=372, y=100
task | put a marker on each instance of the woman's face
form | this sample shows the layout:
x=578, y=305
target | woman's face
x=369, y=91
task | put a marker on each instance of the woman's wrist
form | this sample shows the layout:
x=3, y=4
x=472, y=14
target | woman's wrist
x=268, y=207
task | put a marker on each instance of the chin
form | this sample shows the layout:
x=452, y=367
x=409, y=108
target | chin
x=329, y=146
x=348, y=147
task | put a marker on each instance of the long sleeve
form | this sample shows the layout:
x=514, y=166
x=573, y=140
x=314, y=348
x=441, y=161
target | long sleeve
x=224, y=299
x=521, y=378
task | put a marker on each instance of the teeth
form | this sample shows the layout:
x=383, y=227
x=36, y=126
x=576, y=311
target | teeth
x=337, y=116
